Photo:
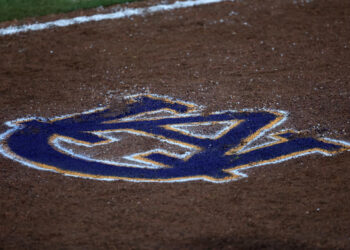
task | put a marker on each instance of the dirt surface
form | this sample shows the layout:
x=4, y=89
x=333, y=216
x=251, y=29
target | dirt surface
x=277, y=54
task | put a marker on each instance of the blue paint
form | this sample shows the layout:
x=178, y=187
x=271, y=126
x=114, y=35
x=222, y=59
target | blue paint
x=31, y=143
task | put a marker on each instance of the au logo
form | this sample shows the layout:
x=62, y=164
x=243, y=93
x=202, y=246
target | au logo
x=215, y=155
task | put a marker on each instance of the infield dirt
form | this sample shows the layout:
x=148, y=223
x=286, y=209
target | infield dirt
x=274, y=54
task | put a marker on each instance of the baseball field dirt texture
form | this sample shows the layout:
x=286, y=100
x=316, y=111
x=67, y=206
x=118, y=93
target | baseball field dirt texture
x=202, y=124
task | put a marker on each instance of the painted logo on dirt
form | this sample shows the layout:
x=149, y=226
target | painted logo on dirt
x=214, y=147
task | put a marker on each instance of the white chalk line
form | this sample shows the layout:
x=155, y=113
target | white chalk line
x=127, y=12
